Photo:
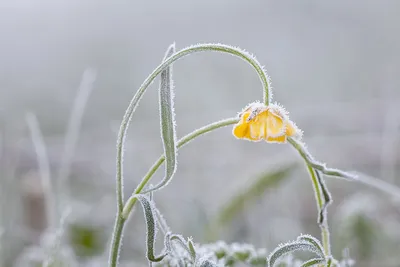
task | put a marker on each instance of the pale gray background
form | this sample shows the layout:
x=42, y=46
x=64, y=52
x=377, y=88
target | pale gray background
x=334, y=65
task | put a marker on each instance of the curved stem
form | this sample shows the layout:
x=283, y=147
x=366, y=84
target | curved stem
x=135, y=100
x=318, y=165
x=320, y=204
x=379, y=184
x=122, y=216
x=312, y=167
x=355, y=176
x=183, y=141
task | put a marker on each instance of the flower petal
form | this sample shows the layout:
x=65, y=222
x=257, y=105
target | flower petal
x=258, y=128
x=292, y=130
x=241, y=130
x=280, y=139
x=270, y=123
x=275, y=125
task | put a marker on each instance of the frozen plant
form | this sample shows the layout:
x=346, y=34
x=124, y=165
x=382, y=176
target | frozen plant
x=258, y=121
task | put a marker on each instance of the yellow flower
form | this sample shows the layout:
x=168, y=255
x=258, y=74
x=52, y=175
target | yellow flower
x=270, y=123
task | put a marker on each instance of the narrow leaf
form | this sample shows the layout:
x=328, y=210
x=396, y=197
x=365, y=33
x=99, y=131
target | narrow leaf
x=181, y=241
x=162, y=223
x=171, y=250
x=312, y=240
x=148, y=210
x=318, y=165
x=327, y=197
x=44, y=169
x=167, y=242
x=159, y=217
x=313, y=262
x=289, y=248
x=167, y=122
x=329, y=263
x=191, y=249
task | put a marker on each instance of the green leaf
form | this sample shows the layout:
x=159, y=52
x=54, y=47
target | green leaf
x=300, y=147
x=148, y=209
x=181, y=241
x=239, y=202
x=327, y=197
x=192, y=250
x=188, y=246
x=312, y=240
x=312, y=262
x=167, y=242
x=167, y=122
x=289, y=248
x=329, y=263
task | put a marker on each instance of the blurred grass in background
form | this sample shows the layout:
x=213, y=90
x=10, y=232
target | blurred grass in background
x=334, y=66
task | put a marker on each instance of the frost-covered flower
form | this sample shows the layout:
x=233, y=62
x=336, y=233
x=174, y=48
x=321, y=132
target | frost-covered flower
x=270, y=123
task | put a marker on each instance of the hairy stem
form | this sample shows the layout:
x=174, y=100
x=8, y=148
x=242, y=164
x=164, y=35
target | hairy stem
x=318, y=165
x=320, y=204
x=320, y=198
x=44, y=169
x=122, y=216
x=139, y=94
x=135, y=100
x=183, y=141
x=116, y=240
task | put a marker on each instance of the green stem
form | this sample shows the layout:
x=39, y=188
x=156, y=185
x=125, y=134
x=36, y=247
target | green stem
x=183, y=141
x=317, y=189
x=319, y=194
x=323, y=200
x=355, y=176
x=318, y=165
x=135, y=100
x=116, y=240
x=320, y=204
x=139, y=94
x=122, y=216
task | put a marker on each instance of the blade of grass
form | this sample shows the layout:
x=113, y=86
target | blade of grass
x=44, y=169
x=74, y=124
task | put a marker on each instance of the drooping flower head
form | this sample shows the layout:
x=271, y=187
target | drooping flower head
x=270, y=123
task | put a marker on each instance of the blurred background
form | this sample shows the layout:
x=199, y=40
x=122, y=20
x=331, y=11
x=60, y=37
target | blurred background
x=334, y=65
